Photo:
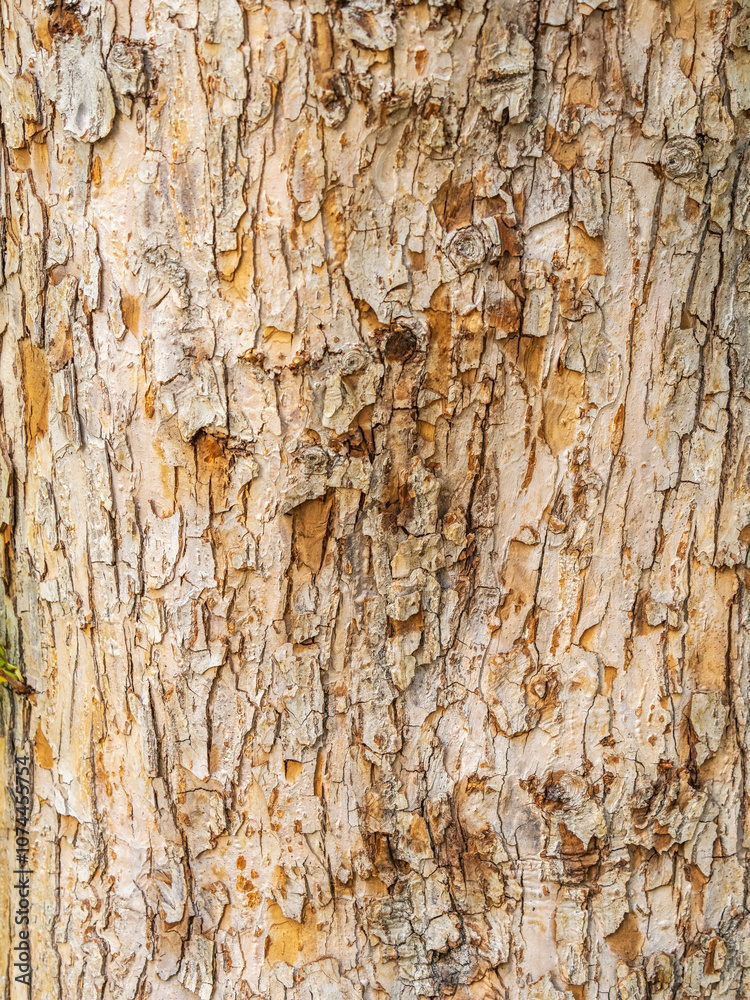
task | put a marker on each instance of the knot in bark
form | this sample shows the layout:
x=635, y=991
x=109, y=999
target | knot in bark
x=466, y=249
x=680, y=157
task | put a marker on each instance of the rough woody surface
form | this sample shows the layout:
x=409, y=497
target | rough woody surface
x=375, y=497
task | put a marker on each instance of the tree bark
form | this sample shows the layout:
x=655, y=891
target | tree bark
x=375, y=497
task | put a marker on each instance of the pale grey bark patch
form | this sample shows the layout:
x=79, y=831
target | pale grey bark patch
x=83, y=94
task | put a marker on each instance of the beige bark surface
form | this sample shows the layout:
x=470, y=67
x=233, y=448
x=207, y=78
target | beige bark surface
x=375, y=497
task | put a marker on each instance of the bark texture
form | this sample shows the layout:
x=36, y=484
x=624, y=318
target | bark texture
x=375, y=496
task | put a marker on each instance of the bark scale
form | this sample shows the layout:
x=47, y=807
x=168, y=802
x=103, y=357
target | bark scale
x=375, y=497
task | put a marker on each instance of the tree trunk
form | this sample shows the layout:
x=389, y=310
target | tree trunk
x=375, y=498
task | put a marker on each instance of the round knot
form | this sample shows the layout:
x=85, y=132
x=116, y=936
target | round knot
x=124, y=56
x=566, y=789
x=680, y=157
x=313, y=460
x=354, y=361
x=466, y=249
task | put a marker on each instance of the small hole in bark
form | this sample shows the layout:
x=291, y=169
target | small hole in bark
x=400, y=345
